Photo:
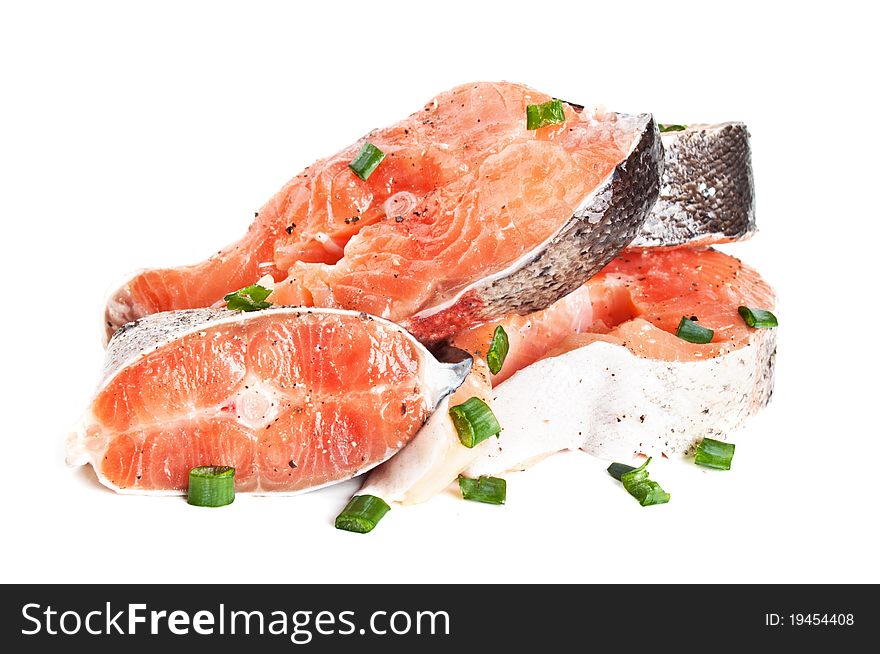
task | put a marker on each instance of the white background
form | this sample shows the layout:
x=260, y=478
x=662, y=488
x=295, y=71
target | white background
x=146, y=134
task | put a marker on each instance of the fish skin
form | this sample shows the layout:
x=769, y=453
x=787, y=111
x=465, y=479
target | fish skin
x=707, y=189
x=93, y=437
x=600, y=228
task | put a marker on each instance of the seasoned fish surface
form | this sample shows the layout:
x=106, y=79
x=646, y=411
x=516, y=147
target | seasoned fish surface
x=467, y=209
x=292, y=398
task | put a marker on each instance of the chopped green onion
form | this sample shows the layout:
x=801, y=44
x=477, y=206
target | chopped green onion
x=549, y=113
x=498, y=350
x=362, y=514
x=714, y=454
x=249, y=298
x=671, y=128
x=618, y=469
x=646, y=491
x=367, y=160
x=474, y=422
x=490, y=490
x=211, y=486
x=692, y=332
x=758, y=318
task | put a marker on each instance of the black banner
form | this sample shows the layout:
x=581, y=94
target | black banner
x=407, y=618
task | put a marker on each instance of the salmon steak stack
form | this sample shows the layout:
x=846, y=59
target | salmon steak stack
x=500, y=257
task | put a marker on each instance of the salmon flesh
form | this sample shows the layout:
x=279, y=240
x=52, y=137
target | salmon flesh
x=292, y=398
x=467, y=211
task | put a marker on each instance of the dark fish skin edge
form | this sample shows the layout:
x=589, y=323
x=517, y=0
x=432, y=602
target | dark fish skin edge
x=576, y=253
x=581, y=248
x=707, y=191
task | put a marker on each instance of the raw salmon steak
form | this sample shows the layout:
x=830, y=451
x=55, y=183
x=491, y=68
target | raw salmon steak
x=602, y=370
x=623, y=382
x=292, y=398
x=469, y=216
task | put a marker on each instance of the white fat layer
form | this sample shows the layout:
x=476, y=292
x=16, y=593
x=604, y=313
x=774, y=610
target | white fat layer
x=422, y=456
x=603, y=399
x=612, y=404
x=428, y=464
